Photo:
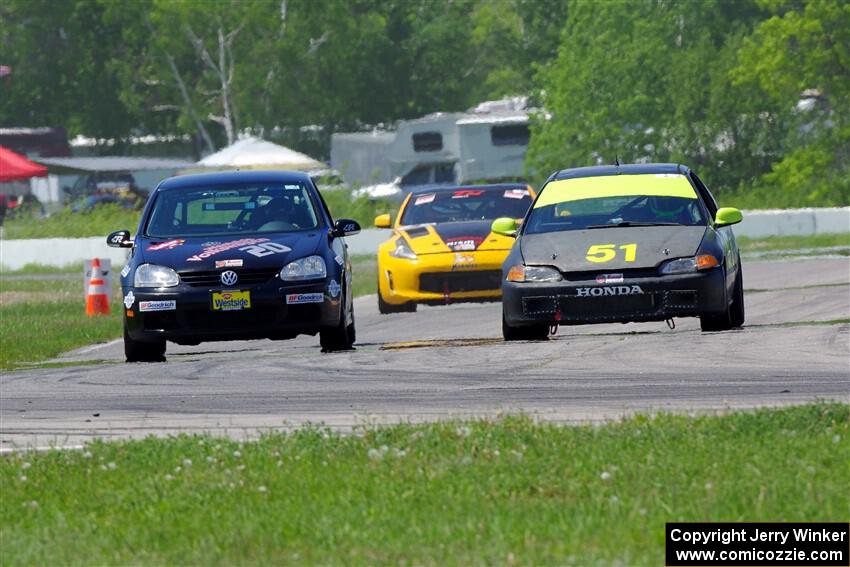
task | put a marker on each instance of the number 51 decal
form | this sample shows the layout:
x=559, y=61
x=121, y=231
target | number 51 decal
x=606, y=252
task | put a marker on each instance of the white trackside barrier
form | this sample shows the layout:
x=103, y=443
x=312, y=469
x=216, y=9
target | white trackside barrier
x=15, y=254
x=794, y=222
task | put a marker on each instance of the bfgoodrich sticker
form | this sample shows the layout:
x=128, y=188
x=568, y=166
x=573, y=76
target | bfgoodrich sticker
x=296, y=298
x=169, y=305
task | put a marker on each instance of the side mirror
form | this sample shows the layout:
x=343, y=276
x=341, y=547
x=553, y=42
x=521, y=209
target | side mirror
x=345, y=227
x=119, y=239
x=504, y=226
x=727, y=216
x=383, y=221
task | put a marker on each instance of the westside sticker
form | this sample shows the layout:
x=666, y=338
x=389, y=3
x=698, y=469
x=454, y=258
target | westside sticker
x=229, y=263
x=129, y=299
x=333, y=288
x=125, y=271
x=162, y=305
x=338, y=259
x=231, y=300
x=210, y=251
x=167, y=245
x=296, y=298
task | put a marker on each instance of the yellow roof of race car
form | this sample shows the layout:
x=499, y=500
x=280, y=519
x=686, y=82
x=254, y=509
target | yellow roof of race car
x=649, y=184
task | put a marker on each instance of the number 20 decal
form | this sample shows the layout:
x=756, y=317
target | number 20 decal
x=600, y=253
x=265, y=249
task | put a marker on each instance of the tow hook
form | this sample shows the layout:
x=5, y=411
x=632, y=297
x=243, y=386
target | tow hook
x=671, y=323
x=553, y=329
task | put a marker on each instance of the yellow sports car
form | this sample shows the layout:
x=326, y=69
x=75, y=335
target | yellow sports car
x=442, y=250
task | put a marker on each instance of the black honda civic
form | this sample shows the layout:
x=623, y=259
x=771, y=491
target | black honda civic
x=238, y=255
x=620, y=244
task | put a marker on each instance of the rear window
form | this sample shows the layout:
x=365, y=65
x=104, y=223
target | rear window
x=485, y=203
x=232, y=211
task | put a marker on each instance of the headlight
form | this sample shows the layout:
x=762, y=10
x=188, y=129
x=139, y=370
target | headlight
x=151, y=275
x=689, y=265
x=309, y=268
x=402, y=250
x=520, y=273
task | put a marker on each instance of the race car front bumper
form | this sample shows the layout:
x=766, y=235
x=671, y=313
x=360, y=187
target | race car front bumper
x=193, y=319
x=442, y=277
x=639, y=299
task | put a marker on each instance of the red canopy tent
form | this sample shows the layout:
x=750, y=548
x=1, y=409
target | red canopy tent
x=15, y=167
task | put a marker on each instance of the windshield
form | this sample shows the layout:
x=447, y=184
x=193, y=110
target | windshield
x=602, y=202
x=232, y=211
x=466, y=205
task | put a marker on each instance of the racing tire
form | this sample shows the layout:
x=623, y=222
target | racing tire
x=733, y=316
x=537, y=332
x=140, y=351
x=385, y=308
x=737, y=314
x=338, y=338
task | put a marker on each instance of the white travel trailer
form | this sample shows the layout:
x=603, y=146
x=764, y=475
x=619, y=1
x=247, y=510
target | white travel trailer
x=488, y=142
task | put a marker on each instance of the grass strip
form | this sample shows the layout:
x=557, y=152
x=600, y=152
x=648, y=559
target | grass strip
x=36, y=269
x=461, y=493
x=794, y=288
x=36, y=330
x=99, y=221
x=365, y=280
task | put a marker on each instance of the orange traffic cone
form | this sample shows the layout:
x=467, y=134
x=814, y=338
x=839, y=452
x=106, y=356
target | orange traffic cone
x=97, y=300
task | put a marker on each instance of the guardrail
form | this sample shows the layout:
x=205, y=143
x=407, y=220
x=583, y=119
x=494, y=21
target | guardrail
x=15, y=254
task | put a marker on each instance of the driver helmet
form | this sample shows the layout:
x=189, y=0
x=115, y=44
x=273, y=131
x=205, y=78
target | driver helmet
x=666, y=207
x=279, y=208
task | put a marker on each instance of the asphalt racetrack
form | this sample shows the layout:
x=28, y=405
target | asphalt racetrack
x=450, y=361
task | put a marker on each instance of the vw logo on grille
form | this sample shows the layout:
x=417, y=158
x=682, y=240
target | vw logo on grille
x=229, y=277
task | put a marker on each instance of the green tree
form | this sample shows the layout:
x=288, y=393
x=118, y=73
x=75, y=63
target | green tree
x=512, y=39
x=192, y=63
x=799, y=61
x=648, y=81
x=60, y=55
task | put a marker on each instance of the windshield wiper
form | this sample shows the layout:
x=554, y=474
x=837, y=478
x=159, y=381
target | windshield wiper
x=635, y=223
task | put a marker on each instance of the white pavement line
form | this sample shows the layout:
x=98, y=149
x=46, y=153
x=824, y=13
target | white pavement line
x=98, y=346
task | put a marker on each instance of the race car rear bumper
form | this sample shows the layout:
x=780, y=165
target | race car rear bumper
x=634, y=300
x=193, y=320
